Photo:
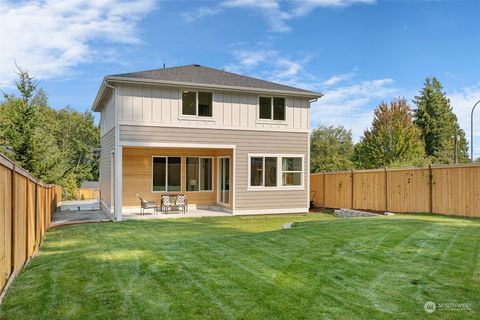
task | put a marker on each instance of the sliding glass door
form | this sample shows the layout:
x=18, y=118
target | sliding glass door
x=224, y=180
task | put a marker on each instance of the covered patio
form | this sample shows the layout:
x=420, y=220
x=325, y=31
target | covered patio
x=202, y=175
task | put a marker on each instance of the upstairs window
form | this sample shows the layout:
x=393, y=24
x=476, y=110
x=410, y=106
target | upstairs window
x=272, y=108
x=197, y=103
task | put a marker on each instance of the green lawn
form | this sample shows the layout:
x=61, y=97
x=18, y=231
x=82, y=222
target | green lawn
x=248, y=268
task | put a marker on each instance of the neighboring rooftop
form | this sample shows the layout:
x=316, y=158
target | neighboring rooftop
x=90, y=185
x=197, y=74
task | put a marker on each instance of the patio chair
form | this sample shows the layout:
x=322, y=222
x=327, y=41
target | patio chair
x=166, y=204
x=144, y=204
x=181, y=202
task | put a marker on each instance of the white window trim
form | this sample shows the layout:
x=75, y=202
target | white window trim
x=279, y=171
x=196, y=116
x=271, y=120
x=213, y=176
x=166, y=175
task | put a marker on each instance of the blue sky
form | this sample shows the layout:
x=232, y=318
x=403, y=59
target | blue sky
x=356, y=52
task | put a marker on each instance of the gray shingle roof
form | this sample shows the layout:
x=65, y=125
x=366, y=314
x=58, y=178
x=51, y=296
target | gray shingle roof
x=195, y=73
x=90, y=185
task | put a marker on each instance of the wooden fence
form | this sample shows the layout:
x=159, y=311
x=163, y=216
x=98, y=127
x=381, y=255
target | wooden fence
x=26, y=209
x=87, y=194
x=452, y=190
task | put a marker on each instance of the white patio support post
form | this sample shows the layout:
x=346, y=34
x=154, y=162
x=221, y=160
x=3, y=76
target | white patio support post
x=118, y=183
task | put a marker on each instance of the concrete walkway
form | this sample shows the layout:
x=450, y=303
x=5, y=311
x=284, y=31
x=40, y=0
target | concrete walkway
x=72, y=217
x=81, y=211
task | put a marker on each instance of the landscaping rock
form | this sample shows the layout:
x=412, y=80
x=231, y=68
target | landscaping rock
x=287, y=225
x=349, y=213
x=389, y=214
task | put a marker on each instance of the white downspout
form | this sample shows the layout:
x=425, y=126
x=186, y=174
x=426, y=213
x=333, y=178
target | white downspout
x=117, y=207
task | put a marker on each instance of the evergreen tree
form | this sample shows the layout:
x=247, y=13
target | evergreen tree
x=19, y=122
x=331, y=149
x=438, y=123
x=55, y=146
x=393, y=139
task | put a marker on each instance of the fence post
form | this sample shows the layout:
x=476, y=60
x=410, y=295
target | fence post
x=324, y=189
x=35, y=215
x=351, y=200
x=386, y=189
x=12, y=222
x=430, y=188
x=27, y=235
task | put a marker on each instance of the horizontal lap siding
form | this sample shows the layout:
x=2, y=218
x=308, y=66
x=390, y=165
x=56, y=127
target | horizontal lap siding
x=107, y=144
x=246, y=142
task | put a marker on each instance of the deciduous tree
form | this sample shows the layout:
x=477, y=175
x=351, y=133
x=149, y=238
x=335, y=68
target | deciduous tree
x=331, y=149
x=392, y=140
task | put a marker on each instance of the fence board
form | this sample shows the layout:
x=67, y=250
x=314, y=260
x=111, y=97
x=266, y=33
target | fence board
x=453, y=190
x=369, y=190
x=408, y=191
x=22, y=230
x=5, y=225
x=456, y=192
x=20, y=227
x=339, y=190
x=31, y=236
x=316, y=188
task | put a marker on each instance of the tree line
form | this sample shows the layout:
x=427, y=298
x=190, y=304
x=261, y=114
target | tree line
x=399, y=136
x=56, y=146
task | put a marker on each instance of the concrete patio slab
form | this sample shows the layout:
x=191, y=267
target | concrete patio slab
x=197, y=213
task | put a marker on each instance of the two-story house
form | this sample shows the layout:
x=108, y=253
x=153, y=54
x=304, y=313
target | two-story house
x=222, y=139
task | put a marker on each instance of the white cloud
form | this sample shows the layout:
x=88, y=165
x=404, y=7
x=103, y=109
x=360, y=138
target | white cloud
x=48, y=38
x=337, y=78
x=352, y=105
x=201, y=12
x=462, y=102
x=306, y=6
x=271, y=65
x=276, y=12
x=290, y=68
x=269, y=9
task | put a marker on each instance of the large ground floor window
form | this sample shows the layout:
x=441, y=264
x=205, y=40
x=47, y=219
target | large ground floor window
x=166, y=174
x=275, y=171
x=199, y=174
